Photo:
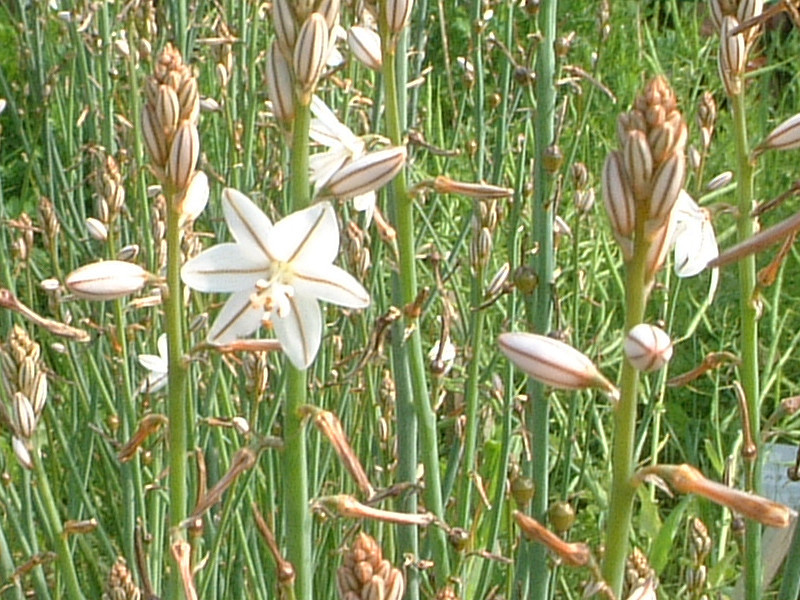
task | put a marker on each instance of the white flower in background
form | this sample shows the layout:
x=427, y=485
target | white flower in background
x=343, y=147
x=695, y=242
x=277, y=274
x=157, y=365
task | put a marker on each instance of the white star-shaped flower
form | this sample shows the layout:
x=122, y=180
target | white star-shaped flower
x=695, y=242
x=157, y=365
x=277, y=274
x=343, y=147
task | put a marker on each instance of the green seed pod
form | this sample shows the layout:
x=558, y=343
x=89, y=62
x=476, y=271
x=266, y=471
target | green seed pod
x=553, y=159
x=525, y=279
x=458, y=538
x=561, y=515
x=522, y=490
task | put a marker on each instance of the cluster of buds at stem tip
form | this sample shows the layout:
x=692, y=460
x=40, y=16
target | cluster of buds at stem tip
x=169, y=124
x=688, y=480
x=25, y=385
x=305, y=33
x=728, y=17
x=366, y=575
x=642, y=180
x=553, y=362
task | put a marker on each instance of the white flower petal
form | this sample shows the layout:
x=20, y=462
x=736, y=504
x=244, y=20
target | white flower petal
x=695, y=241
x=238, y=318
x=328, y=130
x=153, y=363
x=300, y=331
x=307, y=236
x=365, y=203
x=225, y=268
x=330, y=283
x=161, y=344
x=247, y=223
x=324, y=164
x=153, y=383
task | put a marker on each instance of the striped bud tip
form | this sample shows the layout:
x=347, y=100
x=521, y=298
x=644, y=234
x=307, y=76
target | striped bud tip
x=553, y=362
x=647, y=347
x=168, y=108
x=785, y=136
x=24, y=417
x=285, y=23
x=365, y=44
x=667, y=184
x=189, y=99
x=280, y=86
x=638, y=163
x=310, y=52
x=365, y=174
x=732, y=56
x=154, y=139
x=183, y=154
x=398, y=13
x=618, y=197
x=106, y=280
x=329, y=9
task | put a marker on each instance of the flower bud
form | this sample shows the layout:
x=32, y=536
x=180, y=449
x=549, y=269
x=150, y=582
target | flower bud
x=310, y=52
x=194, y=198
x=329, y=9
x=667, y=184
x=638, y=163
x=283, y=19
x=785, y=136
x=183, y=154
x=154, y=138
x=22, y=453
x=106, y=280
x=168, y=109
x=280, y=86
x=398, y=13
x=553, y=362
x=720, y=181
x=647, y=347
x=97, y=229
x=24, y=416
x=732, y=56
x=365, y=44
x=618, y=197
x=366, y=173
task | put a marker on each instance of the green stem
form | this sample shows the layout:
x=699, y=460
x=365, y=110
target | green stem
x=748, y=370
x=623, y=459
x=426, y=418
x=295, y=460
x=177, y=397
x=56, y=528
x=540, y=306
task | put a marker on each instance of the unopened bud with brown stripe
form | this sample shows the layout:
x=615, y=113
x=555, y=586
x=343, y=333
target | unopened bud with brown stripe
x=638, y=163
x=329, y=9
x=553, y=362
x=667, y=184
x=785, y=136
x=310, y=54
x=106, y=280
x=366, y=173
x=183, y=155
x=285, y=24
x=647, y=347
x=732, y=56
x=365, y=44
x=398, y=14
x=480, y=191
x=280, y=84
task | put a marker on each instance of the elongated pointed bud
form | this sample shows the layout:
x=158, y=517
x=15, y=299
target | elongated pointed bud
x=183, y=155
x=22, y=453
x=732, y=56
x=285, y=23
x=659, y=247
x=154, y=139
x=667, y=184
x=24, y=416
x=553, y=362
x=647, y=347
x=618, y=197
x=785, y=136
x=365, y=174
x=365, y=44
x=280, y=85
x=398, y=14
x=638, y=163
x=168, y=108
x=329, y=9
x=192, y=201
x=106, y=280
x=480, y=191
x=310, y=52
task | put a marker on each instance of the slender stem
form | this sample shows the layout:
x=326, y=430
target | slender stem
x=426, y=418
x=748, y=370
x=623, y=449
x=540, y=306
x=57, y=530
x=177, y=397
x=295, y=460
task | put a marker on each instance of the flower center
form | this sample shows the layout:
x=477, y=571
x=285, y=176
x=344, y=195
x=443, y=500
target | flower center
x=273, y=293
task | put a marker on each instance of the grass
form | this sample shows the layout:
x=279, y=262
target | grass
x=74, y=97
